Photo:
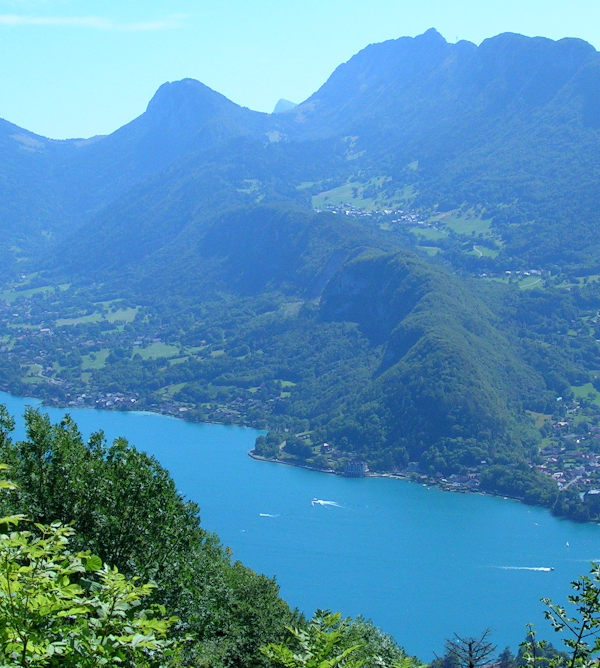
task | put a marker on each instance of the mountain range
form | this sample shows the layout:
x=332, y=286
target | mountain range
x=377, y=220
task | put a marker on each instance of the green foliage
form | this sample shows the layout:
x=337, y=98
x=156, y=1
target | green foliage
x=130, y=490
x=328, y=640
x=268, y=445
x=65, y=608
x=569, y=504
x=319, y=645
x=449, y=387
x=536, y=653
x=297, y=447
x=579, y=622
x=124, y=507
x=583, y=629
x=376, y=648
x=520, y=482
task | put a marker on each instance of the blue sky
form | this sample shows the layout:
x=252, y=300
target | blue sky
x=75, y=68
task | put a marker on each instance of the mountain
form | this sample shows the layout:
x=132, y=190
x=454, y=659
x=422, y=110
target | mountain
x=339, y=269
x=511, y=126
x=183, y=117
x=50, y=187
x=507, y=126
x=283, y=106
x=27, y=190
x=411, y=84
x=449, y=378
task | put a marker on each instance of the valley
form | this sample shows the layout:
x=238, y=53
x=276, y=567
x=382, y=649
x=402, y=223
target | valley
x=399, y=274
x=261, y=370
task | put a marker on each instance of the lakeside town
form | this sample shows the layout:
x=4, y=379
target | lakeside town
x=38, y=349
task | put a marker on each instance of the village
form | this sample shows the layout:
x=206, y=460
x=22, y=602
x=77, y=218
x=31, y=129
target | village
x=570, y=455
x=378, y=216
x=61, y=362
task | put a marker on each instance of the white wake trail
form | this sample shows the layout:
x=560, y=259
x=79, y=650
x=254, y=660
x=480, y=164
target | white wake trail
x=322, y=502
x=540, y=569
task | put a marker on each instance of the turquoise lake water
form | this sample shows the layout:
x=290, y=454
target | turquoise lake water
x=420, y=562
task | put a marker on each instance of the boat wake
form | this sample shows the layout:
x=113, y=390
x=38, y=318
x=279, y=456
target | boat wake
x=267, y=515
x=539, y=569
x=321, y=502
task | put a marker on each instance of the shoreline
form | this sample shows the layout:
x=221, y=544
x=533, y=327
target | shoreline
x=421, y=479
x=424, y=482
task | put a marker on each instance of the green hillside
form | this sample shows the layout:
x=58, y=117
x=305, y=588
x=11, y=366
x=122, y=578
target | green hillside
x=403, y=267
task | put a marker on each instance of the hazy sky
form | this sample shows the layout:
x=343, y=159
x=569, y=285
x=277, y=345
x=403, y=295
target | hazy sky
x=75, y=68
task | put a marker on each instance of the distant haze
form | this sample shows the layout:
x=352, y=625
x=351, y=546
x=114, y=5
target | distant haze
x=77, y=71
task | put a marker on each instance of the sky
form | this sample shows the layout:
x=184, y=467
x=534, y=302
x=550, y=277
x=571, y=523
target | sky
x=77, y=68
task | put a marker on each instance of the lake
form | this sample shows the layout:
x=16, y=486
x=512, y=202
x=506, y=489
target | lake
x=420, y=562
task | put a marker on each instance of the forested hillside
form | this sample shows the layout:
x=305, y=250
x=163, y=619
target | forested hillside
x=399, y=273
x=122, y=509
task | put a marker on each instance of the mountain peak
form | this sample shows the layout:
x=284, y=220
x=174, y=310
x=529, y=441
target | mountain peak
x=571, y=46
x=174, y=95
x=284, y=105
x=431, y=36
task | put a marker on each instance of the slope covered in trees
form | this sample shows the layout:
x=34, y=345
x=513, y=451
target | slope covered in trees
x=123, y=509
x=256, y=268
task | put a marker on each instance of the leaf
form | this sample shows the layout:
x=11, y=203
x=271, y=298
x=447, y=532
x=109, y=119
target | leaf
x=12, y=519
x=72, y=612
x=93, y=563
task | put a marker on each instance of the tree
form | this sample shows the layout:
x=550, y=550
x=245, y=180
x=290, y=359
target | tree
x=471, y=652
x=65, y=608
x=377, y=648
x=124, y=507
x=328, y=641
x=539, y=653
x=318, y=645
x=582, y=626
x=580, y=622
x=506, y=659
x=297, y=447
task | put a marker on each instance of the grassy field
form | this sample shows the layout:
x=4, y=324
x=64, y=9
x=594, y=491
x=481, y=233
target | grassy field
x=32, y=380
x=291, y=309
x=524, y=282
x=251, y=186
x=529, y=282
x=465, y=225
x=484, y=251
x=429, y=233
x=178, y=360
x=170, y=391
x=114, y=315
x=20, y=290
x=539, y=419
x=157, y=350
x=122, y=314
x=12, y=295
x=95, y=360
x=82, y=320
x=429, y=250
x=355, y=194
x=349, y=193
x=586, y=391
